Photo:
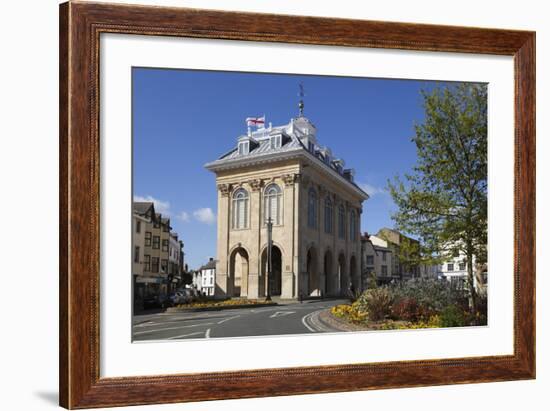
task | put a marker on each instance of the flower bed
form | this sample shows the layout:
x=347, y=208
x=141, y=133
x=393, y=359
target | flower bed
x=224, y=303
x=411, y=305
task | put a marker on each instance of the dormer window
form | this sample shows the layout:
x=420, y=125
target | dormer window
x=349, y=174
x=311, y=147
x=275, y=142
x=244, y=147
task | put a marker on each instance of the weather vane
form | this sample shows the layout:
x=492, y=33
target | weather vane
x=301, y=94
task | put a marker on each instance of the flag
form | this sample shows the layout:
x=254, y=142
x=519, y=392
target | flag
x=255, y=121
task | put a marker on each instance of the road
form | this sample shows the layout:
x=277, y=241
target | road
x=295, y=318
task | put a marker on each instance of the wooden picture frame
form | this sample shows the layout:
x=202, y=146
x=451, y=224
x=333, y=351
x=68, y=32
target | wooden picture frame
x=80, y=27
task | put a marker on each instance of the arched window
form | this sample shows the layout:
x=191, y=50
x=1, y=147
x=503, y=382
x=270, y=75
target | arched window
x=341, y=221
x=240, y=209
x=312, y=208
x=328, y=215
x=352, y=226
x=273, y=204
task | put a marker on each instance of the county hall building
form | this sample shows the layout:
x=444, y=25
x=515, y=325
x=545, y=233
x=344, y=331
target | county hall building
x=285, y=174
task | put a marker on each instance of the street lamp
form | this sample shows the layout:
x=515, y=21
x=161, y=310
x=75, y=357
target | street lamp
x=269, y=246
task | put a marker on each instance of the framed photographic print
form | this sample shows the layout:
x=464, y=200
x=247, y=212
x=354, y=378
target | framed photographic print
x=259, y=205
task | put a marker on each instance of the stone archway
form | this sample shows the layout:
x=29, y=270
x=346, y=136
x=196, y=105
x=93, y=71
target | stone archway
x=238, y=273
x=275, y=282
x=313, y=286
x=327, y=271
x=342, y=276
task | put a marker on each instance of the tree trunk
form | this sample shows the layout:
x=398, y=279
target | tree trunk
x=471, y=285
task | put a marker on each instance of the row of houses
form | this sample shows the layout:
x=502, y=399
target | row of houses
x=383, y=257
x=157, y=253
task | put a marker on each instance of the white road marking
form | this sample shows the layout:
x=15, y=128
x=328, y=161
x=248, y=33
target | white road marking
x=170, y=328
x=281, y=314
x=207, y=333
x=306, y=324
x=184, y=335
x=312, y=323
x=227, y=319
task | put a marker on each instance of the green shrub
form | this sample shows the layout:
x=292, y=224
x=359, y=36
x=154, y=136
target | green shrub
x=376, y=303
x=452, y=316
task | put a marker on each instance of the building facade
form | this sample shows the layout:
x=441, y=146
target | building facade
x=403, y=250
x=205, y=278
x=283, y=174
x=455, y=270
x=156, y=253
x=377, y=259
x=175, y=261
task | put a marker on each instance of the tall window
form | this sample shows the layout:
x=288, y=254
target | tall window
x=341, y=221
x=328, y=215
x=155, y=264
x=136, y=254
x=156, y=242
x=240, y=209
x=164, y=245
x=273, y=204
x=312, y=209
x=138, y=226
x=148, y=238
x=352, y=226
x=146, y=263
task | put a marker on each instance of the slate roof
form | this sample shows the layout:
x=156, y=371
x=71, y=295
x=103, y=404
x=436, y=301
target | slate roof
x=209, y=265
x=142, y=207
x=264, y=147
x=260, y=147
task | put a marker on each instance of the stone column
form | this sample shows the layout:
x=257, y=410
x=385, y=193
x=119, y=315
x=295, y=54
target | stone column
x=221, y=289
x=289, y=263
x=254, y=287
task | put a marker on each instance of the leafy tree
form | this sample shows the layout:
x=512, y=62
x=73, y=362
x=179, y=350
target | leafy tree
x=443, y=201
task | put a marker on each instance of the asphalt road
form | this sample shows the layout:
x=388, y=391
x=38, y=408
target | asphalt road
x=295, y=318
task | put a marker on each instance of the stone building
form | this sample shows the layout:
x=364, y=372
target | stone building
x=377, y=259
x=404, y=250
x=175, y=260
x=156, y=252
x=283, y=173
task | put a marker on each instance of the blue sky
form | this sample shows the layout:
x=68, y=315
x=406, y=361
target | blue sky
x=183, y=119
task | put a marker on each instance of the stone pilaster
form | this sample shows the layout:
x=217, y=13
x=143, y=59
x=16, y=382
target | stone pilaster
x=222, y=264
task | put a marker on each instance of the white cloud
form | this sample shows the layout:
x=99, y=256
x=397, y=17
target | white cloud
x=183, y=216
x=372, y=190
x=162, y=207
x=205, y=215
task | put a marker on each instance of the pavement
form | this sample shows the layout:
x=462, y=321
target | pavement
x=290, y=318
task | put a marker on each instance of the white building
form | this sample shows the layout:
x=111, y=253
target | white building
x=204, y=279
x=455, y=270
